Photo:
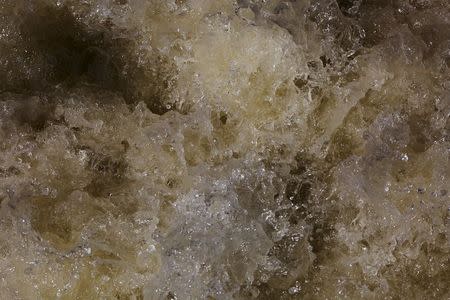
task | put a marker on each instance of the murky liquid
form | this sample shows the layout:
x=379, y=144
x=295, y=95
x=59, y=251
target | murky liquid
x=189, y=149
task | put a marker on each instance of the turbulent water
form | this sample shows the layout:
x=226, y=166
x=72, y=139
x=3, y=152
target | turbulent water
x=219, y=149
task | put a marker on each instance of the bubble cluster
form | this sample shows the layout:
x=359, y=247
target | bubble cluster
x=244, y=149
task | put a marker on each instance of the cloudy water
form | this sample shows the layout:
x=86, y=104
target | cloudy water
x=250, y=149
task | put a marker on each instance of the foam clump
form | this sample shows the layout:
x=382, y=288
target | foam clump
x=224, y=150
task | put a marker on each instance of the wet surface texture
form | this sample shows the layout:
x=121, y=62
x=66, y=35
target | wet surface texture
x=224, y=149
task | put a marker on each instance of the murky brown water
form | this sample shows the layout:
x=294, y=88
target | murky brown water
x=193, y=149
